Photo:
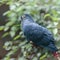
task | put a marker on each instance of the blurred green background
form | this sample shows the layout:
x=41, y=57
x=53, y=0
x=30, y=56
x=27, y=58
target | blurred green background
x=44, y=12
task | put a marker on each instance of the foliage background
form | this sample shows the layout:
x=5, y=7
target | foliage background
x=44, y=12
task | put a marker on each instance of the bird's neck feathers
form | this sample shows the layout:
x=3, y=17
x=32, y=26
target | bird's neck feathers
x=26, y=22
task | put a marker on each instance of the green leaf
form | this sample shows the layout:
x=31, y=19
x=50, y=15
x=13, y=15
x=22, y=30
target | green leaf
x=5, y=34
x=10, y=23
x=12, y=33
x=1, y=28
x=55, y=31
x=54, y=19
x=6, y=13
x=6, y=28
x=17, y=37
x=46, y=15
x=7, y=45
x=42, y=57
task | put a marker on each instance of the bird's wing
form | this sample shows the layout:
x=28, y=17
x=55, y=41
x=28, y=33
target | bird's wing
x=33, y=32
x=38, y=34
x=47, y=37
x=48, y=34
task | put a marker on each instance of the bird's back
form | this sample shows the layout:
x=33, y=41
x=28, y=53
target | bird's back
x=37, y=33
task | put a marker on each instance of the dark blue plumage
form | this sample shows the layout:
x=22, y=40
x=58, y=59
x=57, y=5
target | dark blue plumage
x=36, y=33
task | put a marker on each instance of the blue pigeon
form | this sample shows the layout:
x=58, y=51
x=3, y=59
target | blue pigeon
x=38, y=34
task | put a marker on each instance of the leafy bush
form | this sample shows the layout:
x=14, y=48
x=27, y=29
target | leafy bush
x=44, y=12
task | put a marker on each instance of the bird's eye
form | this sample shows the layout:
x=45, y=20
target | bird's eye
x=23, y=16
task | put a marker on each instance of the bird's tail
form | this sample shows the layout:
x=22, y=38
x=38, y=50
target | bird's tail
x=54, y=51
x=52, y=48
x=56, y=55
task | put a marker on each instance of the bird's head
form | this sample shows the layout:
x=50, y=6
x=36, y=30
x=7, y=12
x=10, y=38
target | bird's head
x=26, y=17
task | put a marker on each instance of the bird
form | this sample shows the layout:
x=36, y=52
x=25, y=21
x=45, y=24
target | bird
x=38, y=34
